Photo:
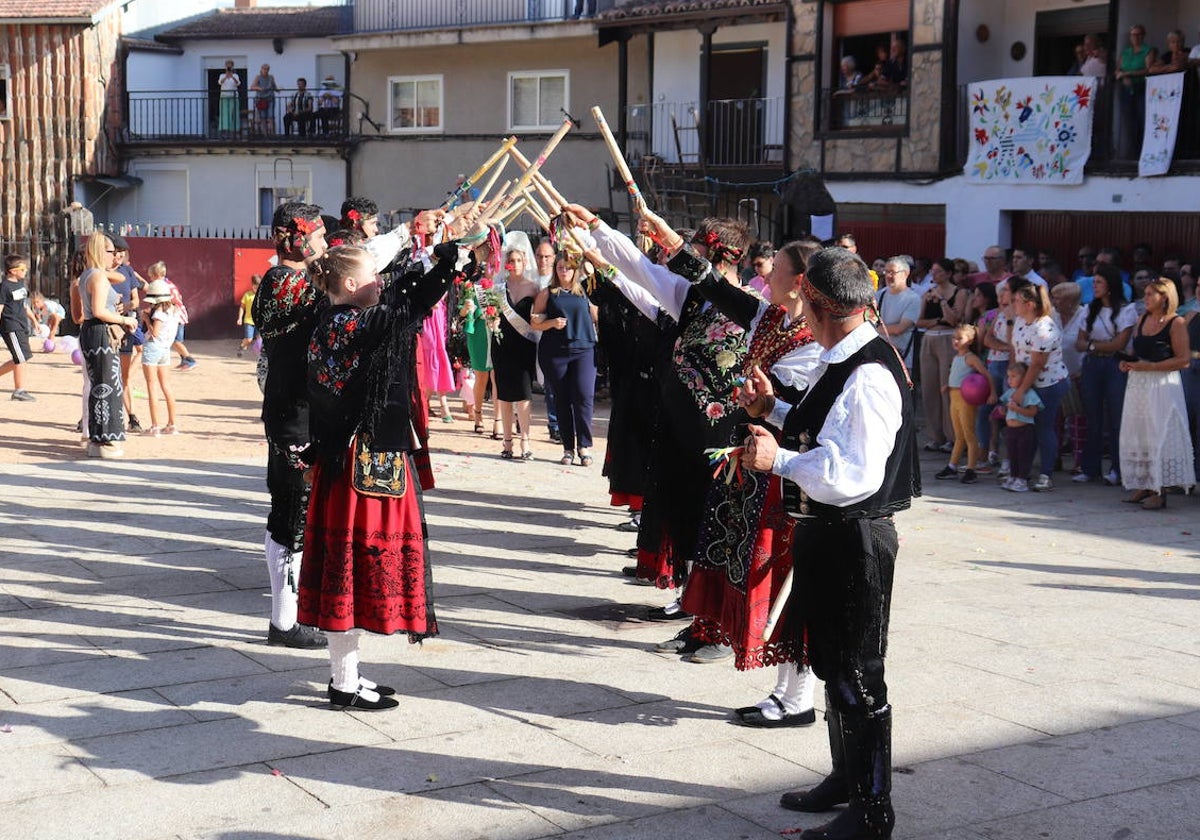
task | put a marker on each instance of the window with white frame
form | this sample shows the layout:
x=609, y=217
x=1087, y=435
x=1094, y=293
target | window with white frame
x=537, y=99
x=414, y=103
x=5, y=94
x=277, y=185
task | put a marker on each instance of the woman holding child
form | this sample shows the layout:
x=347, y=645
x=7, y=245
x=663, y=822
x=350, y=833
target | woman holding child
x=1037, y=342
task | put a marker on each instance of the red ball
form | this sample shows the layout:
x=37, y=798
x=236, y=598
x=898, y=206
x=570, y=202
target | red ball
x=975, y=389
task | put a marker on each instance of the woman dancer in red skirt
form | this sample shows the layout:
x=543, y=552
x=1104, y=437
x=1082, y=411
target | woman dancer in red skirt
x=366, y=566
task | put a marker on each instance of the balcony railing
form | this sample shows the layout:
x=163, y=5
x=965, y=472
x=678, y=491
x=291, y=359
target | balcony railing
x=196, y=115
x=390, y=16
x=734, y=132
x=865, y=110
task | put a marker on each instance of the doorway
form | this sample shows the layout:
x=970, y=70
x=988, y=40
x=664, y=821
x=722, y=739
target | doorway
x=213, y=86
x=736, y=108
x=1057, y=32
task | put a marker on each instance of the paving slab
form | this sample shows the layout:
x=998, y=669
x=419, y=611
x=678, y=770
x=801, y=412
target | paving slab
x=1042, y=661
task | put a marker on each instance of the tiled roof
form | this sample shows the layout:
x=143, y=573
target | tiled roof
x=276, y=22
x=640, y=9
x=40, y=9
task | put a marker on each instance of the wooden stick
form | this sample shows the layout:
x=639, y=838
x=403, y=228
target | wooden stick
x=551, y=144
x=553, y=197
x=781, y=600
x=487, y=188
x=479, y=173
x=514, y=210
x=493, y=206
x=538, y=214
x=639, y=203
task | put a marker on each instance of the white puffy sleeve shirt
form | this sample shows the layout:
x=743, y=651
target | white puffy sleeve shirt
x=849, y=461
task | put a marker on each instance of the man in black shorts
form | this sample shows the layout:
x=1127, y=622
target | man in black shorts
x=14, y=324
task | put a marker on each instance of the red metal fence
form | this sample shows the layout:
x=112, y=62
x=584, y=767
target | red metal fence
x=210, y=273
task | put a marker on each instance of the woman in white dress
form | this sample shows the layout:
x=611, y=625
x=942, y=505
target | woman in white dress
x=1156, y=449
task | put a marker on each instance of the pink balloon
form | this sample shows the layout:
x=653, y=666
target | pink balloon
x=77, y=357
x=48, y=346
x=975, y=388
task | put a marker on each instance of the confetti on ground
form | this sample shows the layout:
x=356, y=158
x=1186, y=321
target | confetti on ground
x=276, y=772
x=5, y=729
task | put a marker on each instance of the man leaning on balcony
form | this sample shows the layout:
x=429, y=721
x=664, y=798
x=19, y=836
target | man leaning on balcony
x=299, y=109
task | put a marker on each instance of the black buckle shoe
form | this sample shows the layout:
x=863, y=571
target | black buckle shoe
x=381, y=690
x=301, y=637
x=355, y=700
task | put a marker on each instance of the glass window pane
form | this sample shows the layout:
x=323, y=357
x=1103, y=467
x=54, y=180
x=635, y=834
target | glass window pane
x=553, y=100
x=403, y=96
x=524, y=101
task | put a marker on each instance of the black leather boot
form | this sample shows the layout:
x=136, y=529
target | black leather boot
x=832, y=791
x=868, y=765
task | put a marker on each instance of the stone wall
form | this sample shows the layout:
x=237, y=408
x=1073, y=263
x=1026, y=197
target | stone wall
x=919, y=148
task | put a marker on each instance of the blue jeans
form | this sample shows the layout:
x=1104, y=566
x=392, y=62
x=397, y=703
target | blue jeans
x=1191, y=395
x=572, y=374
x=998, y=371
x=1052, y=396
x=1103, y=389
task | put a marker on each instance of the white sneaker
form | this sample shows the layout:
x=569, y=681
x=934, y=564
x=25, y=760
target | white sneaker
x=1005, y=469
x=1112, y=479
x=1019, y=485
x=1081, y=478
x=1006, y=484
x=1043, y=484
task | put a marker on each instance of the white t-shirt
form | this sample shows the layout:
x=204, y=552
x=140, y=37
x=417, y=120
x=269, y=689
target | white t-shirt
x=169, y=319
x=1000, y=325
x=1040, y=336
x=1072, y=358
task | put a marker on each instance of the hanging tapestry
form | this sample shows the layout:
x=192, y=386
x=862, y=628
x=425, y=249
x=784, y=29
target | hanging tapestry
x=1163, y=95
x=1030, y=131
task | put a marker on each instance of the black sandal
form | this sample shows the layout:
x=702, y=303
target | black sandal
x=567, y=459
x=506, y=454
x=585, y=460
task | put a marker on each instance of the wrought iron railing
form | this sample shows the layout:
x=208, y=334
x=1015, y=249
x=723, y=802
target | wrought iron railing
x=733, y=132
x=391, y=16
x=160, y=115
x=863, y=110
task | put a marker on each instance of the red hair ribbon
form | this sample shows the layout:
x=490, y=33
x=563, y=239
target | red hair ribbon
x=824, y=301
x=718, y=251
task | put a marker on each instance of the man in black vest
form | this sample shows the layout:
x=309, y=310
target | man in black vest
x=849, y=462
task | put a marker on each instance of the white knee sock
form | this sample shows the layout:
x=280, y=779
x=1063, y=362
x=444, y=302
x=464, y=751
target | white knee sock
x=794, y=688
x=799, y=697
x=343, y=660
x=284, y=569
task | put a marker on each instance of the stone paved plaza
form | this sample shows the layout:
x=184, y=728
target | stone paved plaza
x=1044, y=665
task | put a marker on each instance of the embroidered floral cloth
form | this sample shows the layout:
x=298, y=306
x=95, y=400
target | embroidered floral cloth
x=1164, y=93
x=1030, y=131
